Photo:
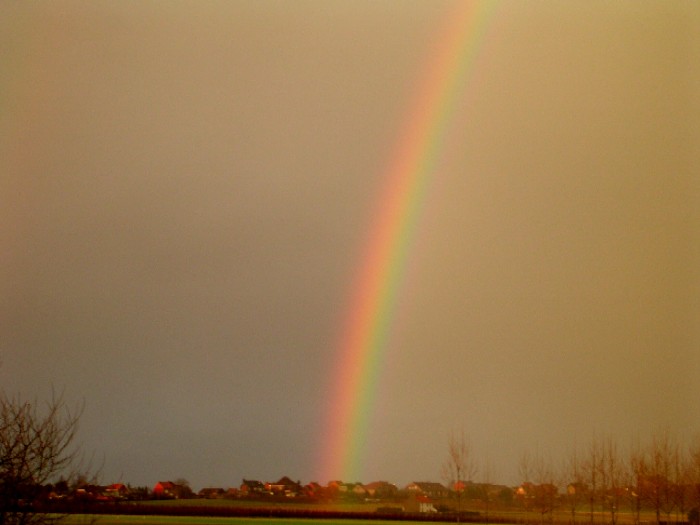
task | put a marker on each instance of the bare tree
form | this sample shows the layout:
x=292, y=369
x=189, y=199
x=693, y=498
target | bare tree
x=576, y=485
x=459, y=465
x=612, y=477
x=486, y=481
x=637, y=473
x=659, y=486
x=524, y=492
x=539, y=490
x=184, y=490
x=36, y=446
x=546, y=492
x=592, y=467
x=694, y=472
x=682, y=477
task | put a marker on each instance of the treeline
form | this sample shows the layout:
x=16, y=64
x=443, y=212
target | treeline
x=604, y=479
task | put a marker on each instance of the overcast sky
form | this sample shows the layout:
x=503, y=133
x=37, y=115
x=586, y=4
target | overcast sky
x=187, y=188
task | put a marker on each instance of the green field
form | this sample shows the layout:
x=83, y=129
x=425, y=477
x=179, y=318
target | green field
x=119, y=519
x=105, y=519
x=127, y=519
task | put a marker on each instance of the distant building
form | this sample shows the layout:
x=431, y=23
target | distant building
x=381, y=489
x=170, y=490
x=315, y=490
x=253, y=487
x=428, y=488
x=116, y=491
x=425, y=504
x=284, y=486
x=212, y=493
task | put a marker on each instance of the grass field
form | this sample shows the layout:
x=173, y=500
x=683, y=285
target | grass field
x=120, y=519
x=104, y=519
x=215, y=512
x=560, y=515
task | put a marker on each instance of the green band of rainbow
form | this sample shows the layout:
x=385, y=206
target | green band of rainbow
x=375, y=291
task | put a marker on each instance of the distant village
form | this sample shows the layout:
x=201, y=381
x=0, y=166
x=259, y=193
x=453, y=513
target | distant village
x=418, y=496
x=650, y=494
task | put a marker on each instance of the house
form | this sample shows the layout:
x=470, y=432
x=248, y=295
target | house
x=90, y=492
x=285, y=486
x=428, y=488
x=482, y=491
x=525, y=491
x=253, y=487
x=335, y=488
x=577, y=489
x=540, y=496
x=116, y=491
x=170, y=490
x=211, y=493
x=350, y=490
x=358, y=490
x=492, y=492
x=425, y=504
x=164, y=490
x=338, y=488
x=345, y=490
x=315, y=490
x=381, y=489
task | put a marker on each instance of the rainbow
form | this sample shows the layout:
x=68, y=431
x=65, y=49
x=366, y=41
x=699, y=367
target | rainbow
x=367, y=329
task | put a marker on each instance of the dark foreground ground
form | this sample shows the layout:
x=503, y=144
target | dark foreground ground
x=180, y=510
x=384, y=514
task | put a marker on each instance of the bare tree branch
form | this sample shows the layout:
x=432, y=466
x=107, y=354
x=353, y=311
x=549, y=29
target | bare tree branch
x=36, y=446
